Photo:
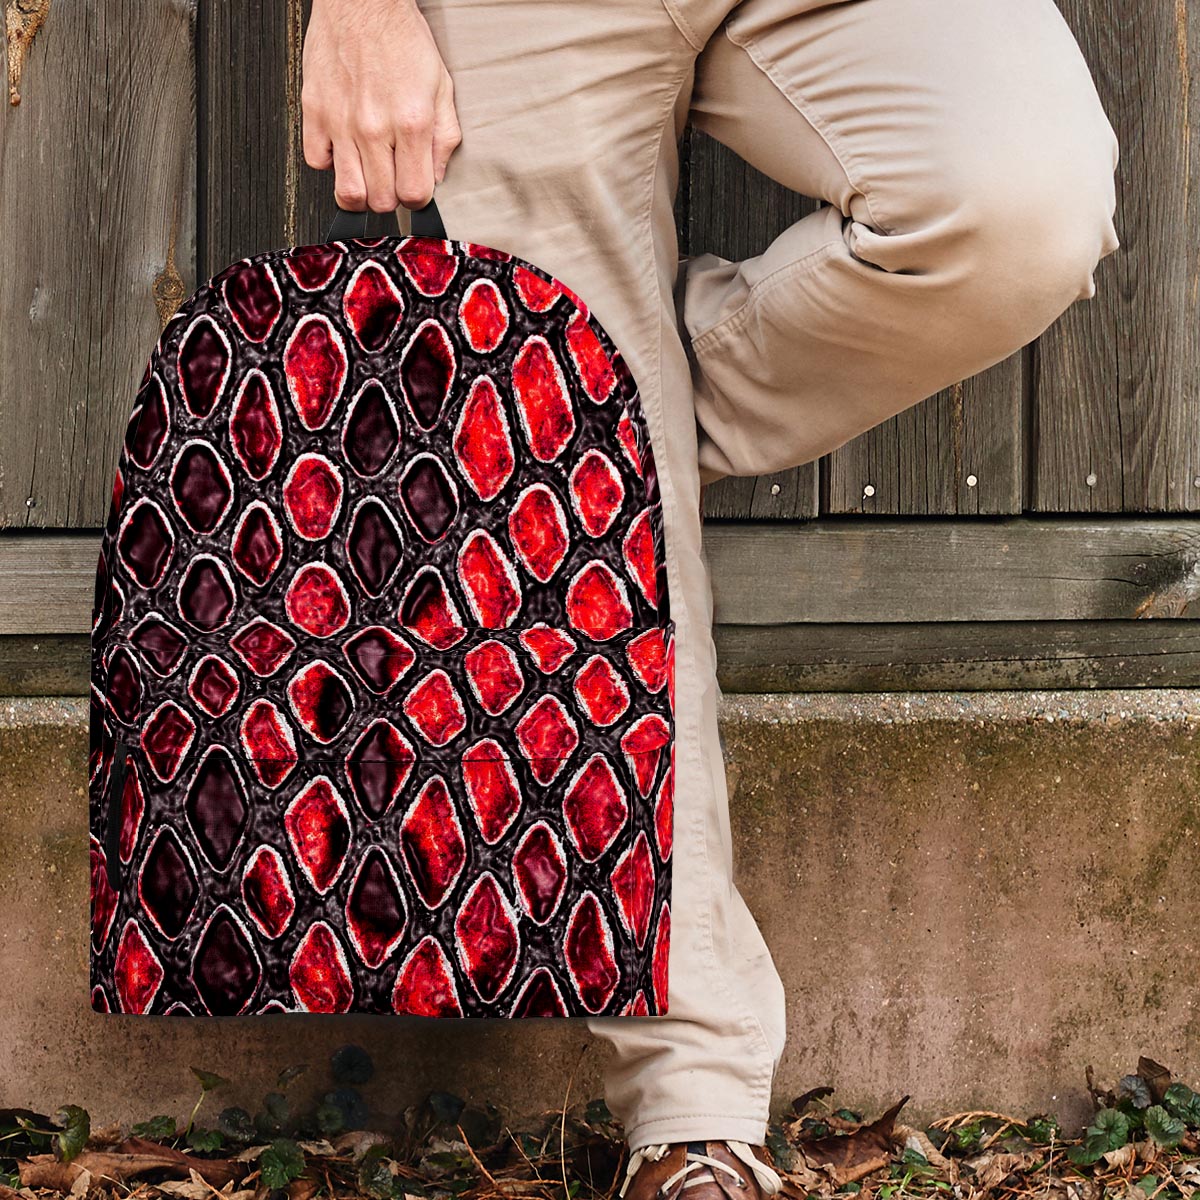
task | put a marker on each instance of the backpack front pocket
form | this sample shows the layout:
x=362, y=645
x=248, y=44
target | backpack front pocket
x=483, y=829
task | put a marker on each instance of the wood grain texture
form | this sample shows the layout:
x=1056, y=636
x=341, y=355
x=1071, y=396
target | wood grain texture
x=1010, y=568
x=47, y=582
x=957, y=656
x=56, y=665
x=957, y=453
x=244, y=136
x=97, y=203
x=1117, y=402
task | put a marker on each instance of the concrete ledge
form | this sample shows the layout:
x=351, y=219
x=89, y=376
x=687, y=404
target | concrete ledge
x=970, y=897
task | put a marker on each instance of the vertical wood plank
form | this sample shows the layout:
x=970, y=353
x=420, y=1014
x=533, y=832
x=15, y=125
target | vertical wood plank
x=244, y=133
x=314, y=202
x=735, y=211
x=683, y=195
x=1117, y=404
x=958, y=453
x=97, y=225
x=257, y=192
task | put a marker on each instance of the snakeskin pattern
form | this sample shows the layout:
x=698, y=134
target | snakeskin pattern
x=382, y=654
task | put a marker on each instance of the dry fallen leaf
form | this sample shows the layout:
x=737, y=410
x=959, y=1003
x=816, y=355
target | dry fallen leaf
x=357, y=1142
x=848, y=1157
x=993, y=1167
x=134, y=1158
x=302, y=1188
x=917, y=1139
x=520, y=1187
x=1157, y=1077
x=190, y=1189
x=1122, y=1157
x=318, y=1149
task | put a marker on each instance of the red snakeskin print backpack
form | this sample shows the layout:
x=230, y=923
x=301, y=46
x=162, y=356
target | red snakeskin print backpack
x=382, y=657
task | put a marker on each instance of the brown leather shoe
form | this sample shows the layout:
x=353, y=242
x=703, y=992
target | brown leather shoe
x=722, y=1170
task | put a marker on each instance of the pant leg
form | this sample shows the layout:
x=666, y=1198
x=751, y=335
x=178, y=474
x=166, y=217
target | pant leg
x=968, y=165
x=570, y=114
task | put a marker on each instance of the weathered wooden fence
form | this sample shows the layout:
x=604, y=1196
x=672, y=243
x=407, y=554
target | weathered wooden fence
x=1015, y=530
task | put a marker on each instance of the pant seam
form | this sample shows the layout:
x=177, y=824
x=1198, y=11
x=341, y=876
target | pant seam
x=748, y=1020
x=767, y=284
x=804, y=107
x=683, y=24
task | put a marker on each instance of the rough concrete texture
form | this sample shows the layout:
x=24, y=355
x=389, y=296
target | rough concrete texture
x=971, y=896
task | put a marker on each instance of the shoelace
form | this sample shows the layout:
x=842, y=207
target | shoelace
x=768, y=1179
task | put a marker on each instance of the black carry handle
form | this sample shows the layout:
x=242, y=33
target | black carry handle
x=426, y=222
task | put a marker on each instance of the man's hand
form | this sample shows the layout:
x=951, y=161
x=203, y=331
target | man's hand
x=378, y=103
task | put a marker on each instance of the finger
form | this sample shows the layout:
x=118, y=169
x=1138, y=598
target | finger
x=414, y=164
x=318, y=149
x=349, y=188
x=414, y=178
x=379, y=173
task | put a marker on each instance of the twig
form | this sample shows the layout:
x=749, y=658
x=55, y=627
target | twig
x=562, y=1129
x=476, y=1160
x=521, y=1152
x=946, y=1122
x=995, y=1137
x=1050, y=1164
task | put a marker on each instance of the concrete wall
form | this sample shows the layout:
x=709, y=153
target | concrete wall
x=970, y=896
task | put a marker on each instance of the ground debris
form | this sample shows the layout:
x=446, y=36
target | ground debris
x=1143, y=1144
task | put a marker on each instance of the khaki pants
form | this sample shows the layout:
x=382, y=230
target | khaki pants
x=969, y=172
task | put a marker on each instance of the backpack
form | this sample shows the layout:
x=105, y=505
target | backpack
x=382, y=662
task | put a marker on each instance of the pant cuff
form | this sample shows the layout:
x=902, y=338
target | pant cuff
x=692, y=1127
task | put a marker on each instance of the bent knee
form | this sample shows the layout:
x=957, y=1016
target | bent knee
x=1035, y=234
x=1012, y=243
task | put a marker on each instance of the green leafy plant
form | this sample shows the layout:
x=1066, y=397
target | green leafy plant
x=157, y=1129
x=74, y=1128
x=237, y=1125
x=1135, y=1090
x=1043, y=1129
x=205, y=1141
x=281, y=1162
x=1180, y=1101
x=1165, y=1129
x=209, y=1082
x=375, y=1176
x=352, y=1066
x=1109, y=1130
x=67, y=1133
x=967, y=1137
x=273, y=1116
